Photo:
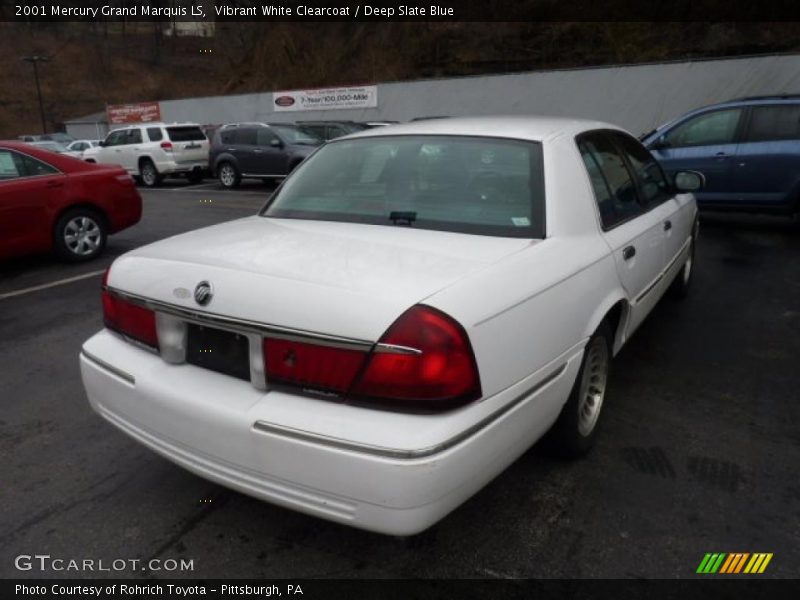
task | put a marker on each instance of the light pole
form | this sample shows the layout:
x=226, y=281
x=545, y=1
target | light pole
x=34, y=60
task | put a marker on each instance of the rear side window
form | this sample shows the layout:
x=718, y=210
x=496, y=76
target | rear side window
x=776, y=122
x=614, y=188
x=32, y=167
x=185, y=134
x=653, y=185
x=14, y=164
x=154, y=134
x=709, y=129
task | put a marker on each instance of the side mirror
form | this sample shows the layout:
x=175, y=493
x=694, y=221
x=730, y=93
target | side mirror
x=102, y=144
x=276, y=143
x=689, y=181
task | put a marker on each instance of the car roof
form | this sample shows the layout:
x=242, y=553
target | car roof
x=534, y=128
x=155, y=124
x=787, y=98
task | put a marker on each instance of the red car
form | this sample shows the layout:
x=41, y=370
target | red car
x=50, y=201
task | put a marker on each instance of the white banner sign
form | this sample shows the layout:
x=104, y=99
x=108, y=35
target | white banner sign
x=326, y=98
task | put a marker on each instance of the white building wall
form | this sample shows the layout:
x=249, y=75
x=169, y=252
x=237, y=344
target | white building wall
x=636, y=97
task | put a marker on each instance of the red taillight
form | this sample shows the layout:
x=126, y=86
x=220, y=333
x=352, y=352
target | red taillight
x=424, y=360
x=166, y=146
x=129, y=319
x=442, y=371
x=323, y=368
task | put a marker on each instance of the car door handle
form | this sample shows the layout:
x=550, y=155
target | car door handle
x=257, y=151
x=628, y=252
x=667, y=225
x=721, y=155
x=54, y=184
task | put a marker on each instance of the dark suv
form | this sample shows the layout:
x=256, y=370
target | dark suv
x=258, y=150
x=747, y=149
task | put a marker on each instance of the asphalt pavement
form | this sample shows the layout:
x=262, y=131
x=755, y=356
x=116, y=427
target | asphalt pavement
x=699, y=449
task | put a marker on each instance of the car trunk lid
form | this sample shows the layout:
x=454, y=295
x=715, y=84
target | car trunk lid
x=342, y=279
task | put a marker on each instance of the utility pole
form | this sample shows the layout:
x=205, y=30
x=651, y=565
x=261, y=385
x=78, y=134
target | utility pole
x=34, y=60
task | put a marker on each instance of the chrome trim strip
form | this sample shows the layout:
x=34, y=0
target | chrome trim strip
x=110, y=368
x=649, y=288
x=245, y=326
x=663, y=273
x=382, y=348
x=383, y=451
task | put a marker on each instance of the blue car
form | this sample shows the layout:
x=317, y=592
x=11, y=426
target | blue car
x=747, y=149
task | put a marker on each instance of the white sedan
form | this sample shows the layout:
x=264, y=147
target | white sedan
x=413, y=308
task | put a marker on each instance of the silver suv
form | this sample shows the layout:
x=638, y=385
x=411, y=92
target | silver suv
x=152, y=151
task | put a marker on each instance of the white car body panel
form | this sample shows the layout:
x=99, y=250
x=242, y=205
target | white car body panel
x=527, y=306
x=183, y=158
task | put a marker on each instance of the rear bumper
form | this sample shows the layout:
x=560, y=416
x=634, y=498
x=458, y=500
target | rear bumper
x=170, y=167
x=225, y=430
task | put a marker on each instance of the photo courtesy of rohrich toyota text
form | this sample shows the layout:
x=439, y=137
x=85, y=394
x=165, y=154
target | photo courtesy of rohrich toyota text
x=399, y=300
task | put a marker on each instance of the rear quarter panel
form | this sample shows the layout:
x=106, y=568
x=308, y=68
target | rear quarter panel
x=543, y=302
x=111, y=191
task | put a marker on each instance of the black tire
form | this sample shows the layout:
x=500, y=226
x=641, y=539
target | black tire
x=149, y=174
x=80, y=234
x=575, y=431
x=680, y=286
x=228, y=174
x=195, y=177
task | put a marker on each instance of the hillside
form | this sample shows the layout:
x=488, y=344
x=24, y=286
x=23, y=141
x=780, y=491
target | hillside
x=99, y=64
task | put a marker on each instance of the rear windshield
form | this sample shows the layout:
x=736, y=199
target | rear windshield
x=185, y=134
x=476, y=185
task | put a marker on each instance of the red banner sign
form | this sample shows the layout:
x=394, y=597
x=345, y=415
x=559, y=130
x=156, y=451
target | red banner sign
x=143, y=112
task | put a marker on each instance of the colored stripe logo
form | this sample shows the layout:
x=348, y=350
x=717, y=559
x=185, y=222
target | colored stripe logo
x=734, y=563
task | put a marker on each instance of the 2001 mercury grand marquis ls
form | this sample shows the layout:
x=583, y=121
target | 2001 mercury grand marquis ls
x=412, y=309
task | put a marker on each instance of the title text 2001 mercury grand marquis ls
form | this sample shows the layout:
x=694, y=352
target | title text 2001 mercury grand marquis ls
x=412, y=310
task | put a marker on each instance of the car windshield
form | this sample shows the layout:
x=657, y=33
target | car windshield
x=295, y=135
x=463, y=184
x=52, y=146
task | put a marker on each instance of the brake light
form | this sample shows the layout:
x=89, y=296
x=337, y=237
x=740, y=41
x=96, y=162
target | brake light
x=127, y=318
x=424, y=360
x=323, y=368
x=432, y=364
x=166, y=146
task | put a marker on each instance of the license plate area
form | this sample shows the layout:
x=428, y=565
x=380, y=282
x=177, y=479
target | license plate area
x=222, y=351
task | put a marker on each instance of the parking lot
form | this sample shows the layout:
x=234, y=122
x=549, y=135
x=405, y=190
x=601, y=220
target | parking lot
x=698, y=453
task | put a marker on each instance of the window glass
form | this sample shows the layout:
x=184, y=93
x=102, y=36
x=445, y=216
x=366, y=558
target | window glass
x=8, y=166
x=227, y=136
x=709, y=129
x=614, y=188
x=295, y=135
x=115, y=138
x=32, y=167
x=134, y=136
x=265, y=137
x=776, y=122
x=190, y=133
x=474, y=185
x=653, y=185
x=154, y=134
x=246, y=137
